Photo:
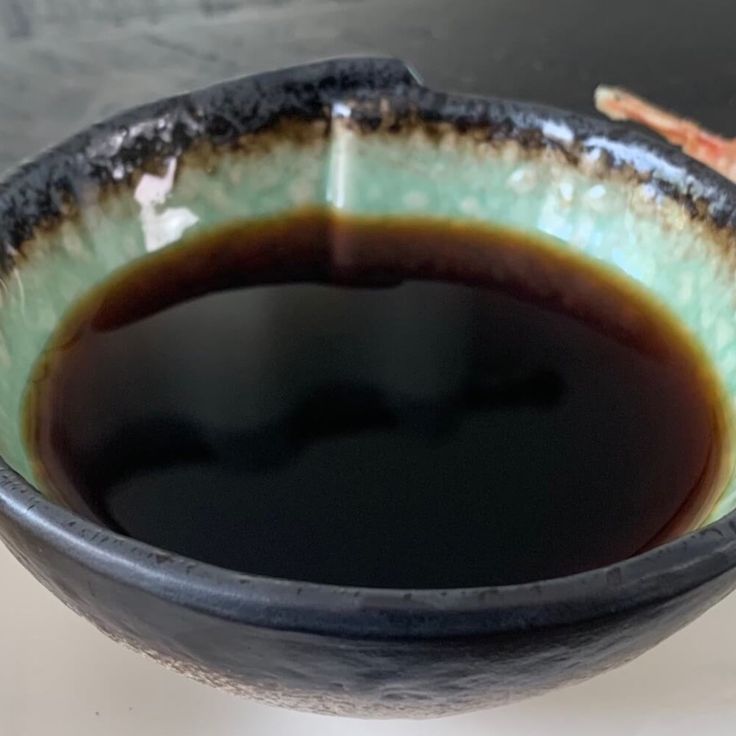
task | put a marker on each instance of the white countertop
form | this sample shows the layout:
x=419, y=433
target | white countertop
x=60, y=677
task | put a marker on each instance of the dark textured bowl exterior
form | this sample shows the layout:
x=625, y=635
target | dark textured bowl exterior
x=342, y=650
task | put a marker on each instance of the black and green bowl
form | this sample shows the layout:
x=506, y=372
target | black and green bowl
x=360, y=136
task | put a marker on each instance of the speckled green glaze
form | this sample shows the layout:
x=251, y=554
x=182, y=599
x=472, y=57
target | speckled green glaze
x=584, y=206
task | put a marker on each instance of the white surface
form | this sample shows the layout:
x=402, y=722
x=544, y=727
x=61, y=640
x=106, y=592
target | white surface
x=60, y=677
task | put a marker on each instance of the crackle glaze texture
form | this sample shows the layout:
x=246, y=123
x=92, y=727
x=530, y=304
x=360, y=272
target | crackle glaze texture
x=360, y=136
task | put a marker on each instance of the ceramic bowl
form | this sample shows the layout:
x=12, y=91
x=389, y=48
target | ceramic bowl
x=360, y=136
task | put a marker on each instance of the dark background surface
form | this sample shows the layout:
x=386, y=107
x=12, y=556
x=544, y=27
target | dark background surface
x=65, y=63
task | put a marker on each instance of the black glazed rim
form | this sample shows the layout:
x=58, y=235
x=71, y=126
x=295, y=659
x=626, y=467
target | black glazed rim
x=39, y=192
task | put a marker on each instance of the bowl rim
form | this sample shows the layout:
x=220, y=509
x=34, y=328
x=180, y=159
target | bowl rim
x=36, y=191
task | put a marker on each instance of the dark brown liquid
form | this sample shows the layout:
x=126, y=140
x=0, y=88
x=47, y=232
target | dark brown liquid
x=395, y=403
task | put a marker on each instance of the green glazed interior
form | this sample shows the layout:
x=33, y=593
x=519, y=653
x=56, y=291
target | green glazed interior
x=584, y=206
